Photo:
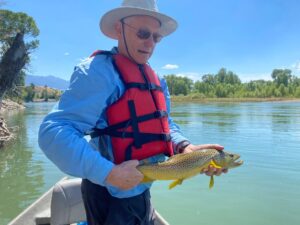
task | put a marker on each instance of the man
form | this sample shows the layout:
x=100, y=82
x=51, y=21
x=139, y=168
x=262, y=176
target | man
x=117, y=99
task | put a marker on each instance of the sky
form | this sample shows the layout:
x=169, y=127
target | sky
x=247, y=37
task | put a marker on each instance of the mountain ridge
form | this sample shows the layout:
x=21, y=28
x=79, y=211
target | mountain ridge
x=50, y=81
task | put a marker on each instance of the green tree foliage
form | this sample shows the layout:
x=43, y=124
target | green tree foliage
x=282, y=76
x=45, y=95
x=34, y=93
x=178, y=85
x=228, y=84
x=29, y=93
x=11, y=24
x=225, y=77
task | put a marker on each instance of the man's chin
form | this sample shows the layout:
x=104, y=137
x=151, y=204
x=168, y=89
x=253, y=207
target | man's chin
x=142, y=60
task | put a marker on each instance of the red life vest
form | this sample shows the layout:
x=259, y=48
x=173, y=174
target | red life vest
x=138, y=120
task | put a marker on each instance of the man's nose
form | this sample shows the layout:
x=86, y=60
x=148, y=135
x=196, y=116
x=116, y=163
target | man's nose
x=150, y=42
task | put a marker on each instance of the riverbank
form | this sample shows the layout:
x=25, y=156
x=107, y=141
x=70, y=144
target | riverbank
x=8, y=105
x=193, y=99
x=7, y=133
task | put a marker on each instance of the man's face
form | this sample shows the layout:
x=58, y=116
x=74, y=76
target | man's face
x=136, y=31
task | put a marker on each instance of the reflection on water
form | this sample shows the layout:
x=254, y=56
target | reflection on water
x=22, y=165
x=267, y=135
x=265, y=190
x=19, y=179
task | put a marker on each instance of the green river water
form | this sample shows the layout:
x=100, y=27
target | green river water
x=264, y=191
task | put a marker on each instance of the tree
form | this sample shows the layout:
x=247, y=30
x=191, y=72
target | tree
x=29, y=93
x=178, y=85
x=14, y=51
x=45, y=95
x=11, y=24
x=227, y=77
x=282, y=76
x=209, y=79
x=11, y=64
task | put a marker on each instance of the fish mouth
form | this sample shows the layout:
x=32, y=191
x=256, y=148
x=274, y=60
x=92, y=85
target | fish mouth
x=237, y=162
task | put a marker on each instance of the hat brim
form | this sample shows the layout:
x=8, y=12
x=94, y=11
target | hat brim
x=109, y=19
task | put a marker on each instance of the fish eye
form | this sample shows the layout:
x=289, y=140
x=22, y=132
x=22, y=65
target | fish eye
x=231, y=155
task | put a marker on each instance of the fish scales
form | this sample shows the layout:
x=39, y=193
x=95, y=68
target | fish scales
x=183, y=166
x=180, y=166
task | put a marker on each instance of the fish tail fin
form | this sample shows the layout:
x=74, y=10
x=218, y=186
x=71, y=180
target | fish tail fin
x=175, y=183
x=211, y=182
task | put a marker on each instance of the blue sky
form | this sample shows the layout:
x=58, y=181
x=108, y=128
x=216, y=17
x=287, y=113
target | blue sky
x=248, y=37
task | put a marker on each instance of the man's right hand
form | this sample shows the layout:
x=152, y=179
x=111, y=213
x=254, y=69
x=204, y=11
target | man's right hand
x=125, y=175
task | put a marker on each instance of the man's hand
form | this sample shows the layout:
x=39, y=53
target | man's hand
x=210, y=171
x=125, y=175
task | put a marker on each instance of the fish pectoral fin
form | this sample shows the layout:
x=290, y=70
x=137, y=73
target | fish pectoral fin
x=215, y=165
x=146, y=180
x=211, y=182
x=175, y=183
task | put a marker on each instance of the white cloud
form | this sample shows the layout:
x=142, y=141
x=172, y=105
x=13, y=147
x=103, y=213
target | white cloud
x=170, y=67
x=66, y=53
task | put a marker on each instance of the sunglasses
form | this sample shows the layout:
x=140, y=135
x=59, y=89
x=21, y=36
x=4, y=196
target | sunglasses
x=144, y=33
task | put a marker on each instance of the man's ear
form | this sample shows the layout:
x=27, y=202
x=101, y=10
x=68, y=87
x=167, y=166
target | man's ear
x=118, y=29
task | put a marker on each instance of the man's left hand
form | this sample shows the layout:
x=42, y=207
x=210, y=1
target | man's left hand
x=210, y=171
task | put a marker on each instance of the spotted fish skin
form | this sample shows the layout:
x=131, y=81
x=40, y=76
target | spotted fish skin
x=182, y=166
x=179, y=166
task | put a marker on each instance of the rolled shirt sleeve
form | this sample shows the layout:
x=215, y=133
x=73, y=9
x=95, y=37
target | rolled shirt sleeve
x=79, y=110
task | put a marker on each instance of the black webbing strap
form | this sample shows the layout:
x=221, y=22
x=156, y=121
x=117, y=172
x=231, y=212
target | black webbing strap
x=128, y=153
x=144, y=86
x=108, y=130
x=134, y=124
x=145, y=138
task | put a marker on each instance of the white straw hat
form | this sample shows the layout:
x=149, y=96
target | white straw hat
x=133, y=8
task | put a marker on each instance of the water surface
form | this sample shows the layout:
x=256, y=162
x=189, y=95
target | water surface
x=265, y=190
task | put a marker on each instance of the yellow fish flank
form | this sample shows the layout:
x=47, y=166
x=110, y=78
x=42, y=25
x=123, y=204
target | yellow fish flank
x=182, y=166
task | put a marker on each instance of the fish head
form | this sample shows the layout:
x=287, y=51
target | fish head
x=227, y=160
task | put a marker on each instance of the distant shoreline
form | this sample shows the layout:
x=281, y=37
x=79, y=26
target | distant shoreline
x=179, y=99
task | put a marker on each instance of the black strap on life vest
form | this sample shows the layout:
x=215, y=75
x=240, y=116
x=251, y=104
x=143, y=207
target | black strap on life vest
x=119, y=129
x=109, y=130
x=138, y=137
x=142, y=86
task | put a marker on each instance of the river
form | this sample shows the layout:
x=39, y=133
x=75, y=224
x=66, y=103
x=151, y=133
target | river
x=265, y=190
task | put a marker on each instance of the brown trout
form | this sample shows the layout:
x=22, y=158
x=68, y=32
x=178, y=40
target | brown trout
x=183, y=166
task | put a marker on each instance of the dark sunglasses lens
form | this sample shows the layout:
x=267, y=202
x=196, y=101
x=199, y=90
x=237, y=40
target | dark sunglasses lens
x=143, y=34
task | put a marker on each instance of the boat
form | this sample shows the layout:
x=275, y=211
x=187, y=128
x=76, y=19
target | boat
x=60, y=205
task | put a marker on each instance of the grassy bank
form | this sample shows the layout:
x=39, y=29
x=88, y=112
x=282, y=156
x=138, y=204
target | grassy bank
x=188, y=98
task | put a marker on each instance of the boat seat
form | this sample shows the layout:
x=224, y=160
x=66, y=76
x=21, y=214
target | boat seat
x=66, y=203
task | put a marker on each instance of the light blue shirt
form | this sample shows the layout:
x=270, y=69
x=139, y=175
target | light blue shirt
x=94, y=85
